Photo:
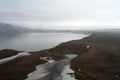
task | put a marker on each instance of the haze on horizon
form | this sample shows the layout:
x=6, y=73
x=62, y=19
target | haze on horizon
x=61, y=14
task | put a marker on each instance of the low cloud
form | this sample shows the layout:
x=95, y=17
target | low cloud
x=60, y=13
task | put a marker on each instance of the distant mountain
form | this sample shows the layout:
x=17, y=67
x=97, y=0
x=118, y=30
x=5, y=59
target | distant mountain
x=8, y=29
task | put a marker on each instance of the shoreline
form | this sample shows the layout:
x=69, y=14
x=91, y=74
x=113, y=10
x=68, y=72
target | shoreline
x=45, y=42
x=98, y=62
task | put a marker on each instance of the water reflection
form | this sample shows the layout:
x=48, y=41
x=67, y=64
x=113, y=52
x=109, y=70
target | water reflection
x=36, y=41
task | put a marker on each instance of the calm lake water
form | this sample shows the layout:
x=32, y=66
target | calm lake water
x=37, y=41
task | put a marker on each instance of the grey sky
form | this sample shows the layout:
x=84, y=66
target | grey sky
x=74, y=14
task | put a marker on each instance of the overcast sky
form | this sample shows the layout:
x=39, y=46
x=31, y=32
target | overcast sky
x=61, y=14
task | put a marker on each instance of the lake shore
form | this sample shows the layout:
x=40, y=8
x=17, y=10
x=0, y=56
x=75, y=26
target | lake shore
x=98, y=59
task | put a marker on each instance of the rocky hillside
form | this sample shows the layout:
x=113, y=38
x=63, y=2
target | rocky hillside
x=99, y=61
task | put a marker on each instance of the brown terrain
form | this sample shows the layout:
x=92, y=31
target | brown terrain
x=7, y=53
x=19, y=68
x=99, y=61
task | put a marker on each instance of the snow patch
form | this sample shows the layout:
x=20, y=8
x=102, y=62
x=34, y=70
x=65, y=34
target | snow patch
x=48, y=59
x=8, y=59
x=68, y=73
x=39, y=73
x=41, y=70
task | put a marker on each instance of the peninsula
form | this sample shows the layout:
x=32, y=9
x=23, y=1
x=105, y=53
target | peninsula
x=98, y=57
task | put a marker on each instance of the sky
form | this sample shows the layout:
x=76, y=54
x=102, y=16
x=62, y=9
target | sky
x=61, y=14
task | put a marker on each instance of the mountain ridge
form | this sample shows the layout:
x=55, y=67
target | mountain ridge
x=9, y=30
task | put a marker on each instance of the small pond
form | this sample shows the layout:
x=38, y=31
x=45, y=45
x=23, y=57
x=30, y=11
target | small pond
x=71, y=56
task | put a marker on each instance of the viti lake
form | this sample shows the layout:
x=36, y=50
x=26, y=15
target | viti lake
x=37, y=41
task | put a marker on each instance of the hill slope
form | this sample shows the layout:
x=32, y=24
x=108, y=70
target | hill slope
x=100, y=61
x=8, y=29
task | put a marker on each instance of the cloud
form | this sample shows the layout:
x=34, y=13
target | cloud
x=60, y=12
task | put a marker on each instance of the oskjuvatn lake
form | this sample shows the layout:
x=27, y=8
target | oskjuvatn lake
x=37, y=41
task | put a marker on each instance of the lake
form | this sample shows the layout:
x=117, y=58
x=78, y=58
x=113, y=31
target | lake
x=71, y=56
x=37, y=41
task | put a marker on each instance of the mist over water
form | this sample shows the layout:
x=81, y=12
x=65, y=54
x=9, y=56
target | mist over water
x=37, y=41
